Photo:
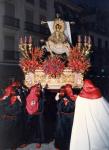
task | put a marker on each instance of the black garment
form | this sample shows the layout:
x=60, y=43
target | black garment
x=11, y=126
x=35, y=125
x=1, y=92
x=50, y=112
x=22, y=91
x=64, y=124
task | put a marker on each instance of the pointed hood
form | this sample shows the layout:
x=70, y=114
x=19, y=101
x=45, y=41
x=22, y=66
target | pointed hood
x=32, y=103
x=90, y=91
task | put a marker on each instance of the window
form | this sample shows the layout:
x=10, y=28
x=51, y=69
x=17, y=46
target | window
x=9, y=47
x=106, y=44
x=43, y=4
x=9, y=42
x=30, y=1
x=58, y=8
x=9, y=9
x=9, y=16
x=29, y=15
x=99, y=43
x=92, y=40
x=12, y=22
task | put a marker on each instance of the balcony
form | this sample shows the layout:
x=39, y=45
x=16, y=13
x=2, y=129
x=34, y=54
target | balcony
x=97, y=28
x=36, y=28
x=30, y=1
x=43, y=4
x=31, y=27
x=11, y=22
x=11, y=55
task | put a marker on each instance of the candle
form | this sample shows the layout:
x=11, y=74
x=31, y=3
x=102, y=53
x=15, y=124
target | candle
x=89, y=40
x=25, y=39
x=79, y=39
x=85, y=39
x=30, y=39
x=21, y=41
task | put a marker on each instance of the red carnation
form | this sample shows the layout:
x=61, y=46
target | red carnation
x=53, y=66
x=29, y=65
x=77, y=61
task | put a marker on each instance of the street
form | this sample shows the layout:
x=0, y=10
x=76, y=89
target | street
x=49, y=146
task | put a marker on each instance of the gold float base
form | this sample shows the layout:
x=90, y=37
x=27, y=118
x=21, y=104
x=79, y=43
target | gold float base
x=67, y=77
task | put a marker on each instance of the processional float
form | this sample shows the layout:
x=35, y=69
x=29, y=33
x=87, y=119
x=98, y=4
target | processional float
x=57, y=62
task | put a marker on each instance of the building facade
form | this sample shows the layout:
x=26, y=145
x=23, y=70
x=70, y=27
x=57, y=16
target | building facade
x=19, y=18
x=23, y=18
x=95, y=23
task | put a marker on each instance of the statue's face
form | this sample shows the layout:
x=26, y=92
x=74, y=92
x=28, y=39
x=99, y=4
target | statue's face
x=58, y=27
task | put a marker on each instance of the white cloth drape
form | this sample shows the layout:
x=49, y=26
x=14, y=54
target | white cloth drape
x=68, y=31
x=50, y=25
x=90, y=129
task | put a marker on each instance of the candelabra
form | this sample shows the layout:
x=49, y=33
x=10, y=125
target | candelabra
x=84, y=45
x=25, y=46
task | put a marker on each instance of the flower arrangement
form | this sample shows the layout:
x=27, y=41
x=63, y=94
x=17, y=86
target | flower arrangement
x=29, y=65
x=53, y=66
x=33, y=61
x=36, y=54
x=77, y=61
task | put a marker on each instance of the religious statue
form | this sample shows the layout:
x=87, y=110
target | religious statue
x=58, y=42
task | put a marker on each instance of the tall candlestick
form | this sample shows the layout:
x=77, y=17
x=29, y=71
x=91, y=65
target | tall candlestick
x=21, y=41
x=25, y=40
x=89, y=40
x=85, y=39
x=30, y=40
x=79, y=39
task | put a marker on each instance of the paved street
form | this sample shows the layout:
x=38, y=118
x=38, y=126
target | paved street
x=49, y=146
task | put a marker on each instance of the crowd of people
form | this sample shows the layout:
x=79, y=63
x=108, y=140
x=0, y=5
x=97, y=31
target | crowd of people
x=37, y=115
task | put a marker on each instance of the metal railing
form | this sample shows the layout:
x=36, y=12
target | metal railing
x=31, y=27
x=36, y=28
x=11, y=55
x=30, y=1
x=11, y=21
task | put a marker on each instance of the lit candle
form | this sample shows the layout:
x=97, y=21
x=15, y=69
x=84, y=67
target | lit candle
x=79, y=39
x=30, y=39
x=21, y=41
x=85, y=39
x=89, y=40
x=25, y=39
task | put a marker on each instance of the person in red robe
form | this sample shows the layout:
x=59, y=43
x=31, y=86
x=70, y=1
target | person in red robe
x=35, y=120
x=10, y=119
